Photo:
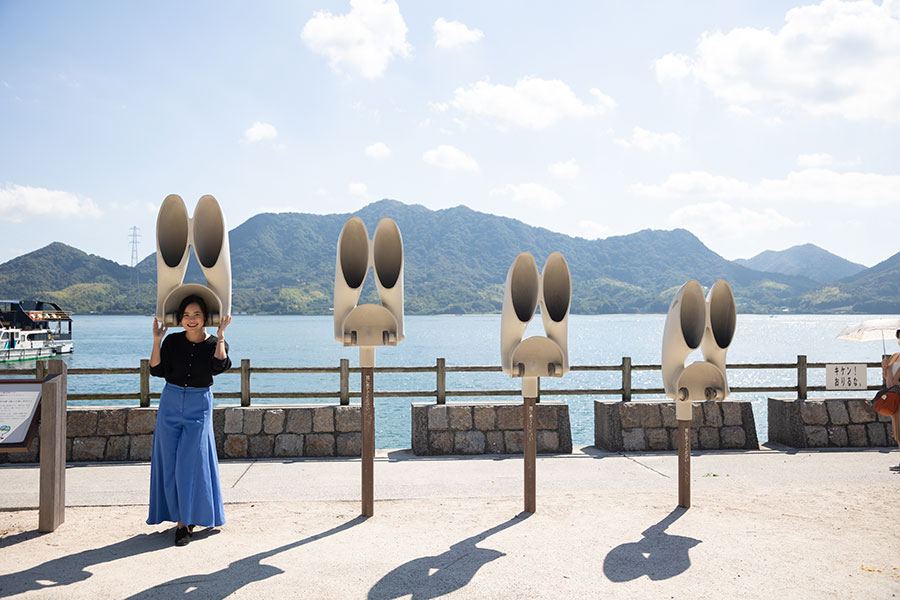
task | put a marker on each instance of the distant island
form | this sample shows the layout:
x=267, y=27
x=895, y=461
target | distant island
x=456, y=262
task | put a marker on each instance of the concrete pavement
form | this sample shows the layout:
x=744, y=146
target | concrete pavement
x=762, y=523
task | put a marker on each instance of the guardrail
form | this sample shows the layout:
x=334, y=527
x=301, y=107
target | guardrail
x=440, y=392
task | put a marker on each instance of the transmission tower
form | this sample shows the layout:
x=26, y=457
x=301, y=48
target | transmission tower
x=136, y=277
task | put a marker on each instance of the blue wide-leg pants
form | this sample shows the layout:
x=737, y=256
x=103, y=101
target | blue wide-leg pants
x=184, y=468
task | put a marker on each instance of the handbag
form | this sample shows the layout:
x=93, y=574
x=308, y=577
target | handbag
x=887, y=401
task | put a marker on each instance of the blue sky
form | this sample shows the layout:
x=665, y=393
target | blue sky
x=754, y=125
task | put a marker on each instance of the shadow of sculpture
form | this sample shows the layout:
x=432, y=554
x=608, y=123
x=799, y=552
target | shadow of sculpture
x=434, y=576
x=228, y=580
x=658, y=555
x=72, y=568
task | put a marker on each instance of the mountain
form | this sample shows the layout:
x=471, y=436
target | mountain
x=807, y=260
x=875, y=290
x=456, y=261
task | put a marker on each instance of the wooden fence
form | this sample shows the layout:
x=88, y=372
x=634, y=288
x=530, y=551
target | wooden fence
x=440, y=392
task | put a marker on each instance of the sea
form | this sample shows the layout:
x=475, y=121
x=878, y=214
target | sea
x=103, y=341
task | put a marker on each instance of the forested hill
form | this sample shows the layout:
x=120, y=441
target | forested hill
x=456, y=262
x=807, y=260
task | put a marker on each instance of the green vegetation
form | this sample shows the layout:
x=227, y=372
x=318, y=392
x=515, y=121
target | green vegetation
x=456, y=262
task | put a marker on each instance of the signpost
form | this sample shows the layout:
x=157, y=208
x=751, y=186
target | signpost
x=22, y=404
x=368, y=325
x=845, y=376
x=538, y=355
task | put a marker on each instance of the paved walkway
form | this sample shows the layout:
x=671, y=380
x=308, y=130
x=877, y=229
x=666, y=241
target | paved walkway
x=768, y=523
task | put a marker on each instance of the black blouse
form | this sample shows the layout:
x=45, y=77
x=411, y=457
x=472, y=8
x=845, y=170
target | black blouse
x=187, y=364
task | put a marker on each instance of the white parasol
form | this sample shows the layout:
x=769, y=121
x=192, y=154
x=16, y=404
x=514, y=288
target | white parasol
x=871, y=330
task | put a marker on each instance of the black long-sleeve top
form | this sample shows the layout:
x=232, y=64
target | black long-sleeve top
x=187, y=364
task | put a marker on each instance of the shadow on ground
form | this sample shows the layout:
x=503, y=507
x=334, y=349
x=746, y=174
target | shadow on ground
x=226, y=581
x=434, y=576
x=70, y=569
x=657, y=555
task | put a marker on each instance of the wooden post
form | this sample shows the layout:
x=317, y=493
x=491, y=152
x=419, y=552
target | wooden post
x=530, y=455
x=52, y=503
x=145, y=382
x=40, y=369
x=345, y=381
x=441, y=396
x=368, y=442
x=245, y=382
x=801, y=377
x=684, y=463
x=626, y=379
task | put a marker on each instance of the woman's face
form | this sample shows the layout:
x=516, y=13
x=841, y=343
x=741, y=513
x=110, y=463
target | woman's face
x=193, y=318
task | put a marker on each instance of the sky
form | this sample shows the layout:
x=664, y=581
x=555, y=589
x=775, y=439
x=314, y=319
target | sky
x=755, y=125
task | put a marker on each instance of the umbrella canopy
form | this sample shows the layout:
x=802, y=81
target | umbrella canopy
x=871, y=330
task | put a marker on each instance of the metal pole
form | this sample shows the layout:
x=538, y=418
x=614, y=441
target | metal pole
x=367, y=364
x=684, y=463
x=529, y=396
x=345, y=381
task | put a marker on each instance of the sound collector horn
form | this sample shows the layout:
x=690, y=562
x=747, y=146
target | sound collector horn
x=556, y=299
x=720, y=326
x=172, y=250
x=210, y=241
x=520, y=300
x=351, y=268
x=387, y=262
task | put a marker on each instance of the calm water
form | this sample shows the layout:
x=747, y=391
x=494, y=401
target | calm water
x=121, y=341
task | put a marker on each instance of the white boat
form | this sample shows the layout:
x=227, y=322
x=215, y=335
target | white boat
x=32, y=329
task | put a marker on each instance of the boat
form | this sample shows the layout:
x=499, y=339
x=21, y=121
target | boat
x=33, y=329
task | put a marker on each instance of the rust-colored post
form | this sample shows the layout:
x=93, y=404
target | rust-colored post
x=368, y=442
x=684, y=463
x=530, y=454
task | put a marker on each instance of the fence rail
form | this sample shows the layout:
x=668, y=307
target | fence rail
x=440, y=391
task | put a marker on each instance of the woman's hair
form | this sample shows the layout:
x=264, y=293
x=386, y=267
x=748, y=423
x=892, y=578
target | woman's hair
x=184, y=304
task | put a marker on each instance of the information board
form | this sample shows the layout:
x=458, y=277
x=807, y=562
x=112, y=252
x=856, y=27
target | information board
x=19, y=402
x=845, y=376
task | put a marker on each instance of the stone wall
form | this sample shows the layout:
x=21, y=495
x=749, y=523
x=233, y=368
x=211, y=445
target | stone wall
x=637, y=426
x=487, y=428
x=828, y=422
x=117, y=433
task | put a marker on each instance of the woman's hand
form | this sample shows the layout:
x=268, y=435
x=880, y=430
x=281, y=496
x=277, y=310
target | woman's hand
x=226, y=320
x=159, y=330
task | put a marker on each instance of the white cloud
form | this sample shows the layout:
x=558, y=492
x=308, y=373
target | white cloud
x=438, y=106
x=823, y=159
x=650, y=140
x=358, y=189
x=17, y=203
x=260, y=131
x=720, y=219
x=593, y=230
x=533, y=194
x=450, y=34
x=362, y=41
x=835, y=58
x=808, y=185
x=564, y=170
x=378, y=151
x=532, y=102
x=450, y=157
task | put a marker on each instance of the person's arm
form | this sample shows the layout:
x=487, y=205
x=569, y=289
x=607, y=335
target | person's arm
x=221, y=350
x=159, y=332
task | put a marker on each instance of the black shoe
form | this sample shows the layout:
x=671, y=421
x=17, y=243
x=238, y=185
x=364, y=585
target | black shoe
x=182, y=536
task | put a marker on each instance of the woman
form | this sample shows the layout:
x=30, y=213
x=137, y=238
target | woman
x=890, y=370
x=184, y=468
